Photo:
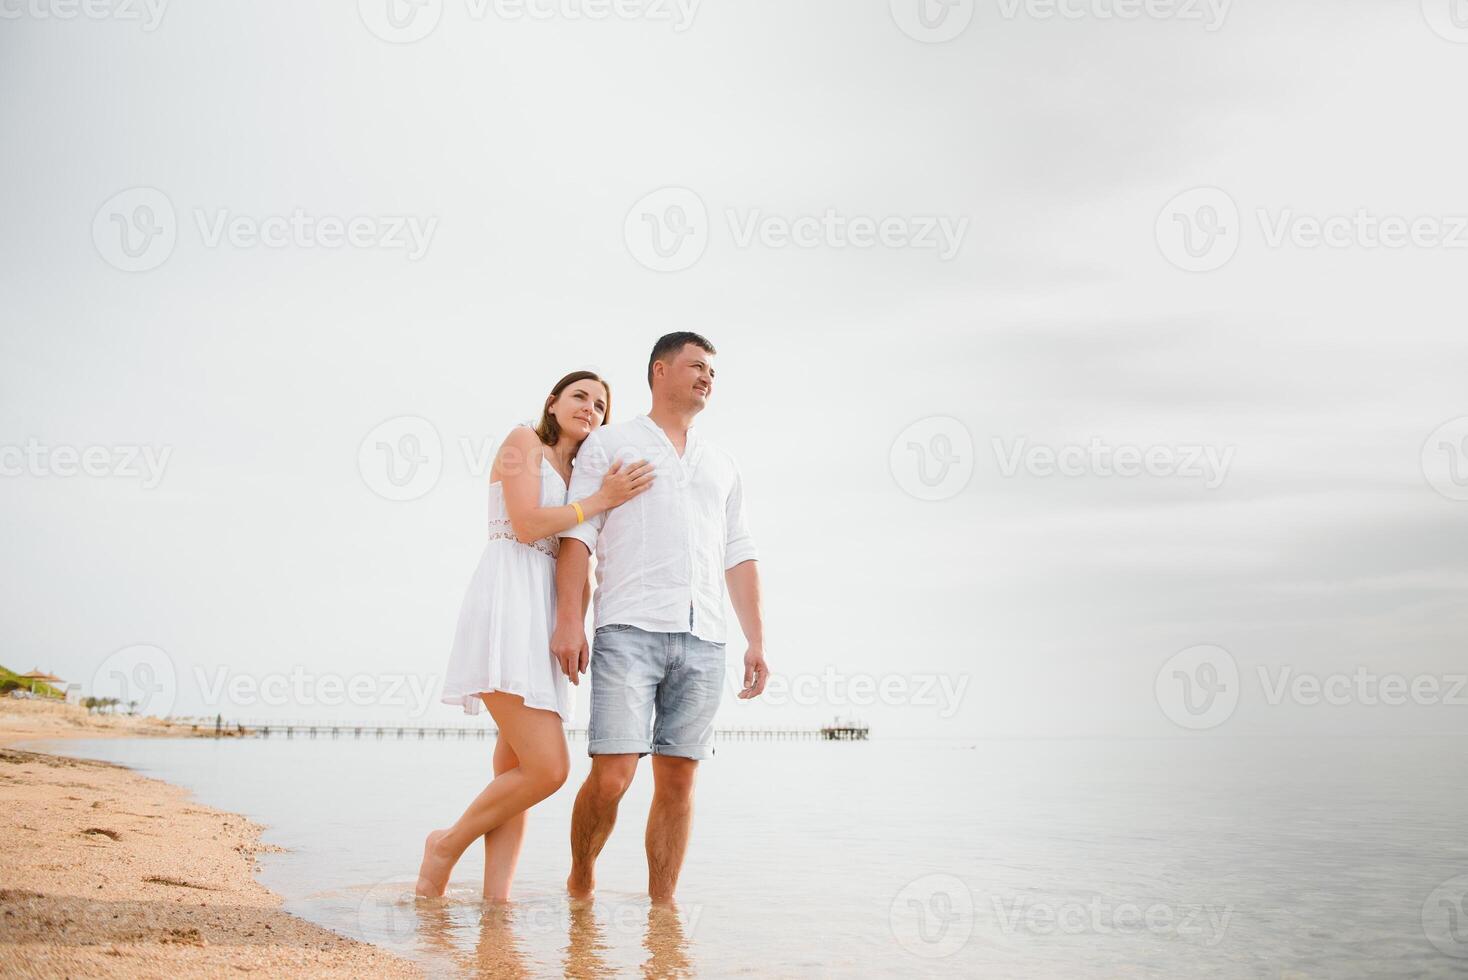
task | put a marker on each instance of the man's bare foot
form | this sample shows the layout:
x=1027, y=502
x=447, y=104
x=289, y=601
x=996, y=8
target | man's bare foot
x=433, y=873
x=580, y=884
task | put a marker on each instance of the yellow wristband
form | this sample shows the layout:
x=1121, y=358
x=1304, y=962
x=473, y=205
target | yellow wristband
x=580, y=514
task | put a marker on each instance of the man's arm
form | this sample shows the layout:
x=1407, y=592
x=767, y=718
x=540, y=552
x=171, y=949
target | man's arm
x=741, y=574
x=568, y=643
x=743, y=581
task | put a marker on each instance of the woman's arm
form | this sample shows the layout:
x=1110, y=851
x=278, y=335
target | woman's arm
x=517, y=466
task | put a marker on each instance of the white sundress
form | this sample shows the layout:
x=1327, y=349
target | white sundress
x=505, y=623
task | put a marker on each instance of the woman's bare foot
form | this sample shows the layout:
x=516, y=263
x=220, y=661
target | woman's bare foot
x=433, y=873
x=580, y=884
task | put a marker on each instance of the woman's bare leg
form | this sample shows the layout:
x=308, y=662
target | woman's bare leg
x=539, y=743
x=502, y=844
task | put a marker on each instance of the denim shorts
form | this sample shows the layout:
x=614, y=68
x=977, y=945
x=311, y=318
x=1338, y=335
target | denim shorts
x=653, y=692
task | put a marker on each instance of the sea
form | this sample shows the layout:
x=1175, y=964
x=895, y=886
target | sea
x=1208, y=857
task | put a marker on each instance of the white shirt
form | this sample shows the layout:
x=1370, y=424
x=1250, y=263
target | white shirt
x=665, y=551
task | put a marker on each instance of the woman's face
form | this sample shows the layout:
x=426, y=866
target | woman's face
x=580, y=408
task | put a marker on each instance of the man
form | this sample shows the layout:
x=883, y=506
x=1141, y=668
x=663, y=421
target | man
x=657, y=664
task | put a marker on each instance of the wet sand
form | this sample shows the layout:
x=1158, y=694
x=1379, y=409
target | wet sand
x=109, y=873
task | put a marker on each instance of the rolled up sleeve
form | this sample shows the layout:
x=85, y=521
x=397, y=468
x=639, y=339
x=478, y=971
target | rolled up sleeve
x=738, y=543
x=586, y=476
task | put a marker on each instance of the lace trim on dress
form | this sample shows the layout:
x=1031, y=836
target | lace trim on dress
x=500, y=530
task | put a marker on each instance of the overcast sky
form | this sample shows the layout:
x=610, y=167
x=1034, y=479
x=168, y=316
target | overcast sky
x=1002, y=270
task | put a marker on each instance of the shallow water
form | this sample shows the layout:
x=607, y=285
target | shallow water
x=1105, y=858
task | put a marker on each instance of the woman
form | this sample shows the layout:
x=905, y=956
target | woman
x=501, y=655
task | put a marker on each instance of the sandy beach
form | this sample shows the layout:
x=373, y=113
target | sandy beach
x=109, y=873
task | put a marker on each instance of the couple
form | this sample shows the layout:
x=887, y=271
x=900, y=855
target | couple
x=664, y=513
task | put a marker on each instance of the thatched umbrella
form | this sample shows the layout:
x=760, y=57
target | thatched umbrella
x=36, y=676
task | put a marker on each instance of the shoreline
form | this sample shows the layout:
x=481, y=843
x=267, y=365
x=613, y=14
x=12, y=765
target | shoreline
x=112, y=873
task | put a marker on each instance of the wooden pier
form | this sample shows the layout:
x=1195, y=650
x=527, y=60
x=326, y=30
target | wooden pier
x=845, y=732
x=308, y=729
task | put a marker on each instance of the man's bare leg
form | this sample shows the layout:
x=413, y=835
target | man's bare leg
x=668, y=824
x=594, y=816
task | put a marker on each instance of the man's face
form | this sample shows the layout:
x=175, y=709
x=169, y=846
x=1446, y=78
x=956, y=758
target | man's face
x=689, y=376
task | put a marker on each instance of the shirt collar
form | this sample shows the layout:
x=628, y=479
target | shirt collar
x=646, y=420
x=688, y=445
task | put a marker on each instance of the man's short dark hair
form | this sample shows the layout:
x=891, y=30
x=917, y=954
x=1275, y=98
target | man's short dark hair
x=671, y=343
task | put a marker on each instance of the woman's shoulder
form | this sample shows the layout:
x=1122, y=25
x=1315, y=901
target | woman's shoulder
x=522, y=448
x=523, y=438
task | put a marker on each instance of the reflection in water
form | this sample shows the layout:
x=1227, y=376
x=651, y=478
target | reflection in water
x=667, y=944
x=435, y=926
x=586, y=945
x=498, y=952
x=482, y=939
